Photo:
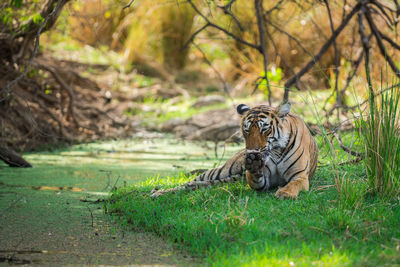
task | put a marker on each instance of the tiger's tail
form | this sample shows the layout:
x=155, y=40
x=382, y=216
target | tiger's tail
x=230, y=172
x=193, y=185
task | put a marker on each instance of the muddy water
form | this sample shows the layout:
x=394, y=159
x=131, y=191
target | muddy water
x=52, y=214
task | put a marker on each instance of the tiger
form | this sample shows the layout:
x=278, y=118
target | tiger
x=280, y=152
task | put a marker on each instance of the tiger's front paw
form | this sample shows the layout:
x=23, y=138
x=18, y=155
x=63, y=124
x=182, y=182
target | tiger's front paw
x=254, y=163
x=284, y=193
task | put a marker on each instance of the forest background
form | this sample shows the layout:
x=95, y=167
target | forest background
x=115, y=98
x=155, y=52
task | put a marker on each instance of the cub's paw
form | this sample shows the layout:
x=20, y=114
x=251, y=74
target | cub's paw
x=254, y=163
x=283, y=193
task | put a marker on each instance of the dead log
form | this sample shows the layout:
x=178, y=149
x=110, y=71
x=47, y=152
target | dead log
x=12, y=158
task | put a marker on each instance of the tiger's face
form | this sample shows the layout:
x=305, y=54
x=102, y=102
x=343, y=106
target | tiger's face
x=262, y=127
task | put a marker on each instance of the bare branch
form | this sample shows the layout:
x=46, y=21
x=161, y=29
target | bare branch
x=366, y=47
x=389, y=40
x=338, y=96
x=383, y=12
x=240, y=40
x=381, y=46
x=277, y=51
x=291, y=37
x=191, y=39
x=275, y=7
x=355, y=68
x=128, y=5
x=293, y=80
x=375, y=95
x=228, y=11
x=225, y=85
x=374, y=11
x=261, y=31
x=344, y=9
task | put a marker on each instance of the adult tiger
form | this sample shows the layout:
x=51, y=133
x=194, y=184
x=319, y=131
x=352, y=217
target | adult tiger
x=280, y=152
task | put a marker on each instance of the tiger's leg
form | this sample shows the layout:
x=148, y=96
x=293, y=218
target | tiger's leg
x=230, y=172
x=292, y=189
x=295, y=173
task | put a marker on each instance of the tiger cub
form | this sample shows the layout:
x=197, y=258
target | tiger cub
x=280, y=152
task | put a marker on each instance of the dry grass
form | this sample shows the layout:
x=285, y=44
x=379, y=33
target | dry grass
x=176, y=29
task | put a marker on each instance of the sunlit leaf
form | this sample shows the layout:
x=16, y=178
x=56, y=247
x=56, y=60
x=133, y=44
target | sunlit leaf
x=37, y=18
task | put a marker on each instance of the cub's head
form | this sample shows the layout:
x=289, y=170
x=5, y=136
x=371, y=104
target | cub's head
x=262, y=126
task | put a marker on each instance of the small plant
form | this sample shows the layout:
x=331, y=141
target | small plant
x=379, y=130
x=351, y=192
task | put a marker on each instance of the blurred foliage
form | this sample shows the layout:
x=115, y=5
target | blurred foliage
x=15, y=14
x=176, y=29
x=274, y=75
x=94, y=22
x=150, y=36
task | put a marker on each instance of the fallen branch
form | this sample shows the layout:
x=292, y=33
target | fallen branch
x=351, y=161
x=345, y=148
x=12, y=158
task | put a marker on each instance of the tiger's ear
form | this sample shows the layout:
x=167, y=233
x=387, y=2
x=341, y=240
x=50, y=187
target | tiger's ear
x=242, y=108
x=284, y=110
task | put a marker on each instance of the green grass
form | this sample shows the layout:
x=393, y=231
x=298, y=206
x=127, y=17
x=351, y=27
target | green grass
x=379, y=130
x=232, y=225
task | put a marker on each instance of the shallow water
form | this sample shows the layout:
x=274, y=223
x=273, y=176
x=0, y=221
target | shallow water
x=54, y=207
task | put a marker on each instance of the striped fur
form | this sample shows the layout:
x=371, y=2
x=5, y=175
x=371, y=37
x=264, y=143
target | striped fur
x=280, y=152
x=284, y=146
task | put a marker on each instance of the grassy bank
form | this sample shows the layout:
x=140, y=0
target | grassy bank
x=232, y=225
